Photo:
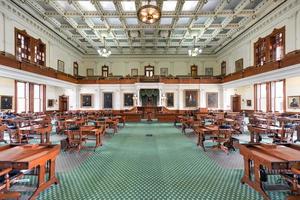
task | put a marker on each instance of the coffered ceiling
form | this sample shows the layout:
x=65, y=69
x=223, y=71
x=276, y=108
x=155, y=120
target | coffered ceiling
x=87, y=23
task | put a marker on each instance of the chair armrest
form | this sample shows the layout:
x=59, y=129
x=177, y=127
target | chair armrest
x=10, y=195
x=5, y=171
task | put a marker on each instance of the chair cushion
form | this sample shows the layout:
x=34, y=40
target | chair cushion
x=224, y=127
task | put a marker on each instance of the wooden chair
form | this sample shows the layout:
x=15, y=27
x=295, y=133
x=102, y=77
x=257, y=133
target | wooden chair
x=2, y=129
x=224, y=139
x=294, y=182
x=5, y=185
x=285, y=135
x=75, y=139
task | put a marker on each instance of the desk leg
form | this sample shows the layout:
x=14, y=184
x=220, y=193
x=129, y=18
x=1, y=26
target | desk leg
x=256, y=183
x=42, y=184
x=48, y=137
x=201, y=141
x=42, y=138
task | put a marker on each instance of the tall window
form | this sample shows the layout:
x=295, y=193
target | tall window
x=21, y=97
x=261, y=97
x=37, y=98
x=194, y=70
x=277, y=96
x=149, y=71
x=270, y=96
x=105, y=71
x=29, y=97
x=75, y=69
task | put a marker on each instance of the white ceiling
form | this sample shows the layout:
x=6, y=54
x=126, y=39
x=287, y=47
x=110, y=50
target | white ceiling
x=87, y=22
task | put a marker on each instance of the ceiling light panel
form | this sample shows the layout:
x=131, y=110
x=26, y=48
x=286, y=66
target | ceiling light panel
x=189, y=5
x=108, y=5
x=169, y=6
x=87, y=6
x=128, y=6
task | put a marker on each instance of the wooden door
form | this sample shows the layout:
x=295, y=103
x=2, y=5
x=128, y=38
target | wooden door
x=236, y=103
x=63, y=103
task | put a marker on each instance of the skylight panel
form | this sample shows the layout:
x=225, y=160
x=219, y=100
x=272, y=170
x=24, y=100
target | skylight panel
x=87, y=6
x=114, y=21
x=108, y=5
x=97, y=21
x=66, y=6
x=189, y=5
x=128, y=6
x=132, y=21
x=166, y=21
x=169, y=5
x=210, y=5
x=183, y=21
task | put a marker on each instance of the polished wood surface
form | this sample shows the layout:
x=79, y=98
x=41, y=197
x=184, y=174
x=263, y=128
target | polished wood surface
x=27, y=157
x=271, y=156
x=289, y=59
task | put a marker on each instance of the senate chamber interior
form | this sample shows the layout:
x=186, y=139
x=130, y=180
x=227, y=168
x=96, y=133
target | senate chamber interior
x=150, y=99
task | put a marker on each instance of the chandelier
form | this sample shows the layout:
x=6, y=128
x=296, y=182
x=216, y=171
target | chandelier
x=104, y=52
x=149, y=14
x=195, y=51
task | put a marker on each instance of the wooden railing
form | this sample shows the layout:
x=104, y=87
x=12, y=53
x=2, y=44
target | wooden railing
x=290, y=59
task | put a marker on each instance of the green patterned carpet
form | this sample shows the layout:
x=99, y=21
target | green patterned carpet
x=167, y=165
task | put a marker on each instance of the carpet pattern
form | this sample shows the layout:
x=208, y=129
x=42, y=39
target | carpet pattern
x=134, y=166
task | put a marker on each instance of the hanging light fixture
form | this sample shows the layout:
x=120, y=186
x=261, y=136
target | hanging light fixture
x=195, y=51
x=149, y=14
x=104, y=52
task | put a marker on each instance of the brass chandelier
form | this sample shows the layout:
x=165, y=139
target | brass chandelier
x=149, y=14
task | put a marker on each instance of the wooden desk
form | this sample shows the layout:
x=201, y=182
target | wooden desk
x=275, y=157
x=202, y=131
x=43, y=131
x=27, y=157
x=97, y=132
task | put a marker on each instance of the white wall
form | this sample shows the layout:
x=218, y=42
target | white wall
x=292, y=89
x=180, y=65
x=7, y=88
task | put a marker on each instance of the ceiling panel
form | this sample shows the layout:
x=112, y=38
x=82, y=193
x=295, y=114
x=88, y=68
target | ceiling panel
x=181, y=20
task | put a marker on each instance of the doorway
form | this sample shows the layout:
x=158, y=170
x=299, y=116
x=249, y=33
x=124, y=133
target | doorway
x=63, y=103
x=236, y=103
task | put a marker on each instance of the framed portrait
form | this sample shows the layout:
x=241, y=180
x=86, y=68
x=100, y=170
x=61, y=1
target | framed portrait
x=164, y=71
x=50, y=102
x=239, y=65
x=212, y=100
x=128, y=99
x=209, y=71
x=191, y=98
x=293, y=102
x=134, y=72
x=248, y=102
x=170, y=99
x=90, y=72
x=107, y=100
x=60, y=66
x=86, y=100
x=6, y=102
